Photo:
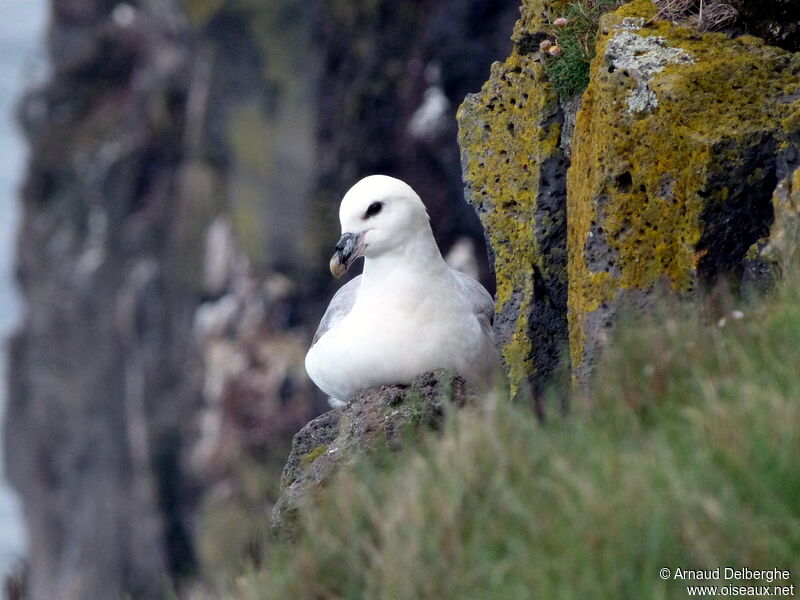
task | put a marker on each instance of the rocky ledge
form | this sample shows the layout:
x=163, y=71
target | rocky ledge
x=376, y=420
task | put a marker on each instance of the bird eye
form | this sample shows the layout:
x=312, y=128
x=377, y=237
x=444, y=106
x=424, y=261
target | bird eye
x=373, y=209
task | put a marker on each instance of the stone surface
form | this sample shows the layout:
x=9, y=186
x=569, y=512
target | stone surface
x=676, y=150
x=673, y=195
x=642, y=57
x=514, y=170
x=775, y=21
x=375, y=420
x=780, y=249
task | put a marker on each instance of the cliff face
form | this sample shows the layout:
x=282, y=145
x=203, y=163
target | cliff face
x=375, y=421
x=514, y=169
x=253, y=138
x=101, y=374
x=678, y=146
x=160, y=366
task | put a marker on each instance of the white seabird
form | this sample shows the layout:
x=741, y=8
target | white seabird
x=408, y=313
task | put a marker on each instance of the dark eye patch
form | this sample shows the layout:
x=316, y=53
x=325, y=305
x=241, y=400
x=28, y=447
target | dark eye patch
x=373, y=209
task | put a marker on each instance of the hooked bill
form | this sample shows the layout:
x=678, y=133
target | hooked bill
x=348, y=249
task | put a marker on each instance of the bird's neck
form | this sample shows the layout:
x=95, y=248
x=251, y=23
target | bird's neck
x=417, y=262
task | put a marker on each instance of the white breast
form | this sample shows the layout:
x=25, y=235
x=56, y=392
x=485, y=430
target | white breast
x=391, y=341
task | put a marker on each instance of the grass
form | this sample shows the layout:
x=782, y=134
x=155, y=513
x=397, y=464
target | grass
x=569, y=72
x=686, y=456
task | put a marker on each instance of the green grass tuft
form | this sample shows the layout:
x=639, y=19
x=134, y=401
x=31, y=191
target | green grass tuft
x=569, y=72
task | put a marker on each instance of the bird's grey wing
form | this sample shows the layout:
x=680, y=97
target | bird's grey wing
x=339, y=307
x=478, y=299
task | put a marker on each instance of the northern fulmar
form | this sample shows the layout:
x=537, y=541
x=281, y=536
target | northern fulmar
x=408, y=312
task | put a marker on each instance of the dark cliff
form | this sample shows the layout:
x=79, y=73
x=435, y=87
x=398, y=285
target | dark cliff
x=103, y=373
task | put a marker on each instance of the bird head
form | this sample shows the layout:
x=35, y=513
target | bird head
x=379, y=214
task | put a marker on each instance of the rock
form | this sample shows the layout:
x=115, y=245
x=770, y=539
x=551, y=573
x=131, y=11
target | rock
x=676, y=149
x=775, y=21
x=676, y=153
x=514, y=173
x=375, y=420
x=643, y=57
x=780, y=249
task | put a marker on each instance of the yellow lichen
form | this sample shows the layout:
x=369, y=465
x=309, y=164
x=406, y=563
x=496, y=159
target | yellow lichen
x=646, y=179
x=313, y=455
x=507, y=133
x=536, y=15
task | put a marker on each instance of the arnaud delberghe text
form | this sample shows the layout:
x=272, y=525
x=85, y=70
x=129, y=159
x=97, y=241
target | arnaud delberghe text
x=728, y=573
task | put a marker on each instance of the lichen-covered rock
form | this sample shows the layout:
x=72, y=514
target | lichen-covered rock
x=514, y=171
x=643, y=57
x=375, y=420
x=781, y=249
x=675, y=158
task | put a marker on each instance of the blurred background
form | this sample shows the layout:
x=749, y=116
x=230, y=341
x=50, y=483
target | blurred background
x=21, y=59
x=169, y=193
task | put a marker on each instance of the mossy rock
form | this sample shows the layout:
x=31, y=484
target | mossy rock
x=514, y=172
x=376, y=420
x=676, y=153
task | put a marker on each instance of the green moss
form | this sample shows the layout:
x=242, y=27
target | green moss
x=313, y=455
x=647, y=180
